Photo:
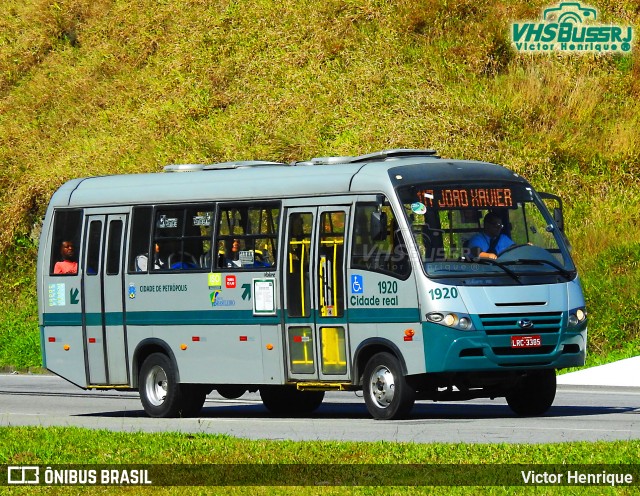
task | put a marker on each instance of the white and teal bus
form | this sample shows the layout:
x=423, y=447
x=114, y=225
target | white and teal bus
x=338, y=273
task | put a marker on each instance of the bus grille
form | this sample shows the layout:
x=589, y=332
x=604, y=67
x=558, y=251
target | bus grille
x=507, y=323
x=498, y=326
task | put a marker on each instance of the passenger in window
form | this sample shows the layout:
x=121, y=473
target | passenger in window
x=491, y=242
x=142, y=261
x=68, y=264
x=233, y=260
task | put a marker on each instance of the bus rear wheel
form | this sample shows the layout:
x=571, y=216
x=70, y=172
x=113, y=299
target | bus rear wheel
x=283, y=400
x=160, y=392
x=386, y=392
x=534, y=393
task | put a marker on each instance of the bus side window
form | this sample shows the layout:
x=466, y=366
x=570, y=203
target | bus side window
x=65, y=248
x=387, y=255
x=182, y=238
x=93, y=248
x=247, y=236
x=139, y=251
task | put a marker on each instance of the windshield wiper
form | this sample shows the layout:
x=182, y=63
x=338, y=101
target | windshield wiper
x=567, y=274
x=491, y=261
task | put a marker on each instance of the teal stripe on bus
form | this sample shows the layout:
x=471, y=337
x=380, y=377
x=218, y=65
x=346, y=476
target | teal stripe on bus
x=62, y=319
x=232, y=317
x=186, y=317
x=359, y=315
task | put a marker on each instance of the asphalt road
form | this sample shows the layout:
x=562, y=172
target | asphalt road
x=580, y=413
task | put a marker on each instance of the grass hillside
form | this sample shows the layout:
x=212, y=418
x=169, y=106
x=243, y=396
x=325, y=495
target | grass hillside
x=94, y=87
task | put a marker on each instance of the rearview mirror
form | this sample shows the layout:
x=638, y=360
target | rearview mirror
x=557, y=208
x=559, y=218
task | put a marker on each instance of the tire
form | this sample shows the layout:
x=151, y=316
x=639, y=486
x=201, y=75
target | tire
x=231, y=392
x=287, y=400
x=160, y=393
x=194, y=396
x=534, y=393
x=386, y=391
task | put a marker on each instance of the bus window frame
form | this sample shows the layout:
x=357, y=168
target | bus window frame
x=352, y=244
x=203, y=206
x=59, y=235
x=276, y=236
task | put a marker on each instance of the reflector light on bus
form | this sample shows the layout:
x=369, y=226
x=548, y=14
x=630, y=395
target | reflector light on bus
x=52, y=340
x=92, y=340
x=243, y=338
x=195, y=338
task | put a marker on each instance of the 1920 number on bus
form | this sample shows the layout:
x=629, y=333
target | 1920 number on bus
x=443, y=293
x=387, y=287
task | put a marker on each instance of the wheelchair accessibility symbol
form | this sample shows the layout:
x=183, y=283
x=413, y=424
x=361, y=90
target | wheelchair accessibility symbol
x=357, y=284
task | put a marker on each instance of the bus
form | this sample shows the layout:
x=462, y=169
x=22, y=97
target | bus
x=353, y=273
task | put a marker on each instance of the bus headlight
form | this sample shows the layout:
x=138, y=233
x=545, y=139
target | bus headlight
x=577, y=316
x=459, y=321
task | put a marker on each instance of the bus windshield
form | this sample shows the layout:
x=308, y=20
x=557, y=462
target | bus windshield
x=486, y=233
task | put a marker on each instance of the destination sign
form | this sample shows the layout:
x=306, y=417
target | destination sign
x=466, y=197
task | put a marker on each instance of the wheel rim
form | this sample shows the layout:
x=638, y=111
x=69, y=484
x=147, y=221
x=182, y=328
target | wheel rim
x=382, y=387
x=156, y=386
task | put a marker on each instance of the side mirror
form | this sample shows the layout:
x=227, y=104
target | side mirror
x=559, y=218
x=378, y=226
x=557, y=208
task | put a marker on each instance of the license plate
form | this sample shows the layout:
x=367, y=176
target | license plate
x=526, y=341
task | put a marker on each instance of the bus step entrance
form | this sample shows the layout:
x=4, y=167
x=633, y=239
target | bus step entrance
x=324, y=386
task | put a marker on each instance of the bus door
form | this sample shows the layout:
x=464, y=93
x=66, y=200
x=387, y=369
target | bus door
x=314, y=298
x=103, y=299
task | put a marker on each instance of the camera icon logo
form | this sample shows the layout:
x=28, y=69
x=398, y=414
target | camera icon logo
x=569, y=12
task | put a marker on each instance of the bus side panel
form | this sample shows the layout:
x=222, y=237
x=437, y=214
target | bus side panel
x=64, y=353
x=211, y=319
x=220, y=354
x=386, y=308
x=62, y=328
x=272, y=355
x=412, y=352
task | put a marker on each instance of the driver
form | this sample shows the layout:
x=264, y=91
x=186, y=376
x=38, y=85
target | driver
x=490, y=243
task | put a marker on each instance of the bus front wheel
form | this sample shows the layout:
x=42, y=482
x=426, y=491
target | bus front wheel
x=160, y=392
x=386, y=392
x=534, y=393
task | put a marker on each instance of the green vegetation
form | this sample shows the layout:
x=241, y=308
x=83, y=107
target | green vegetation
x=102, y=87
x=59, y=446
x=93, y=87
